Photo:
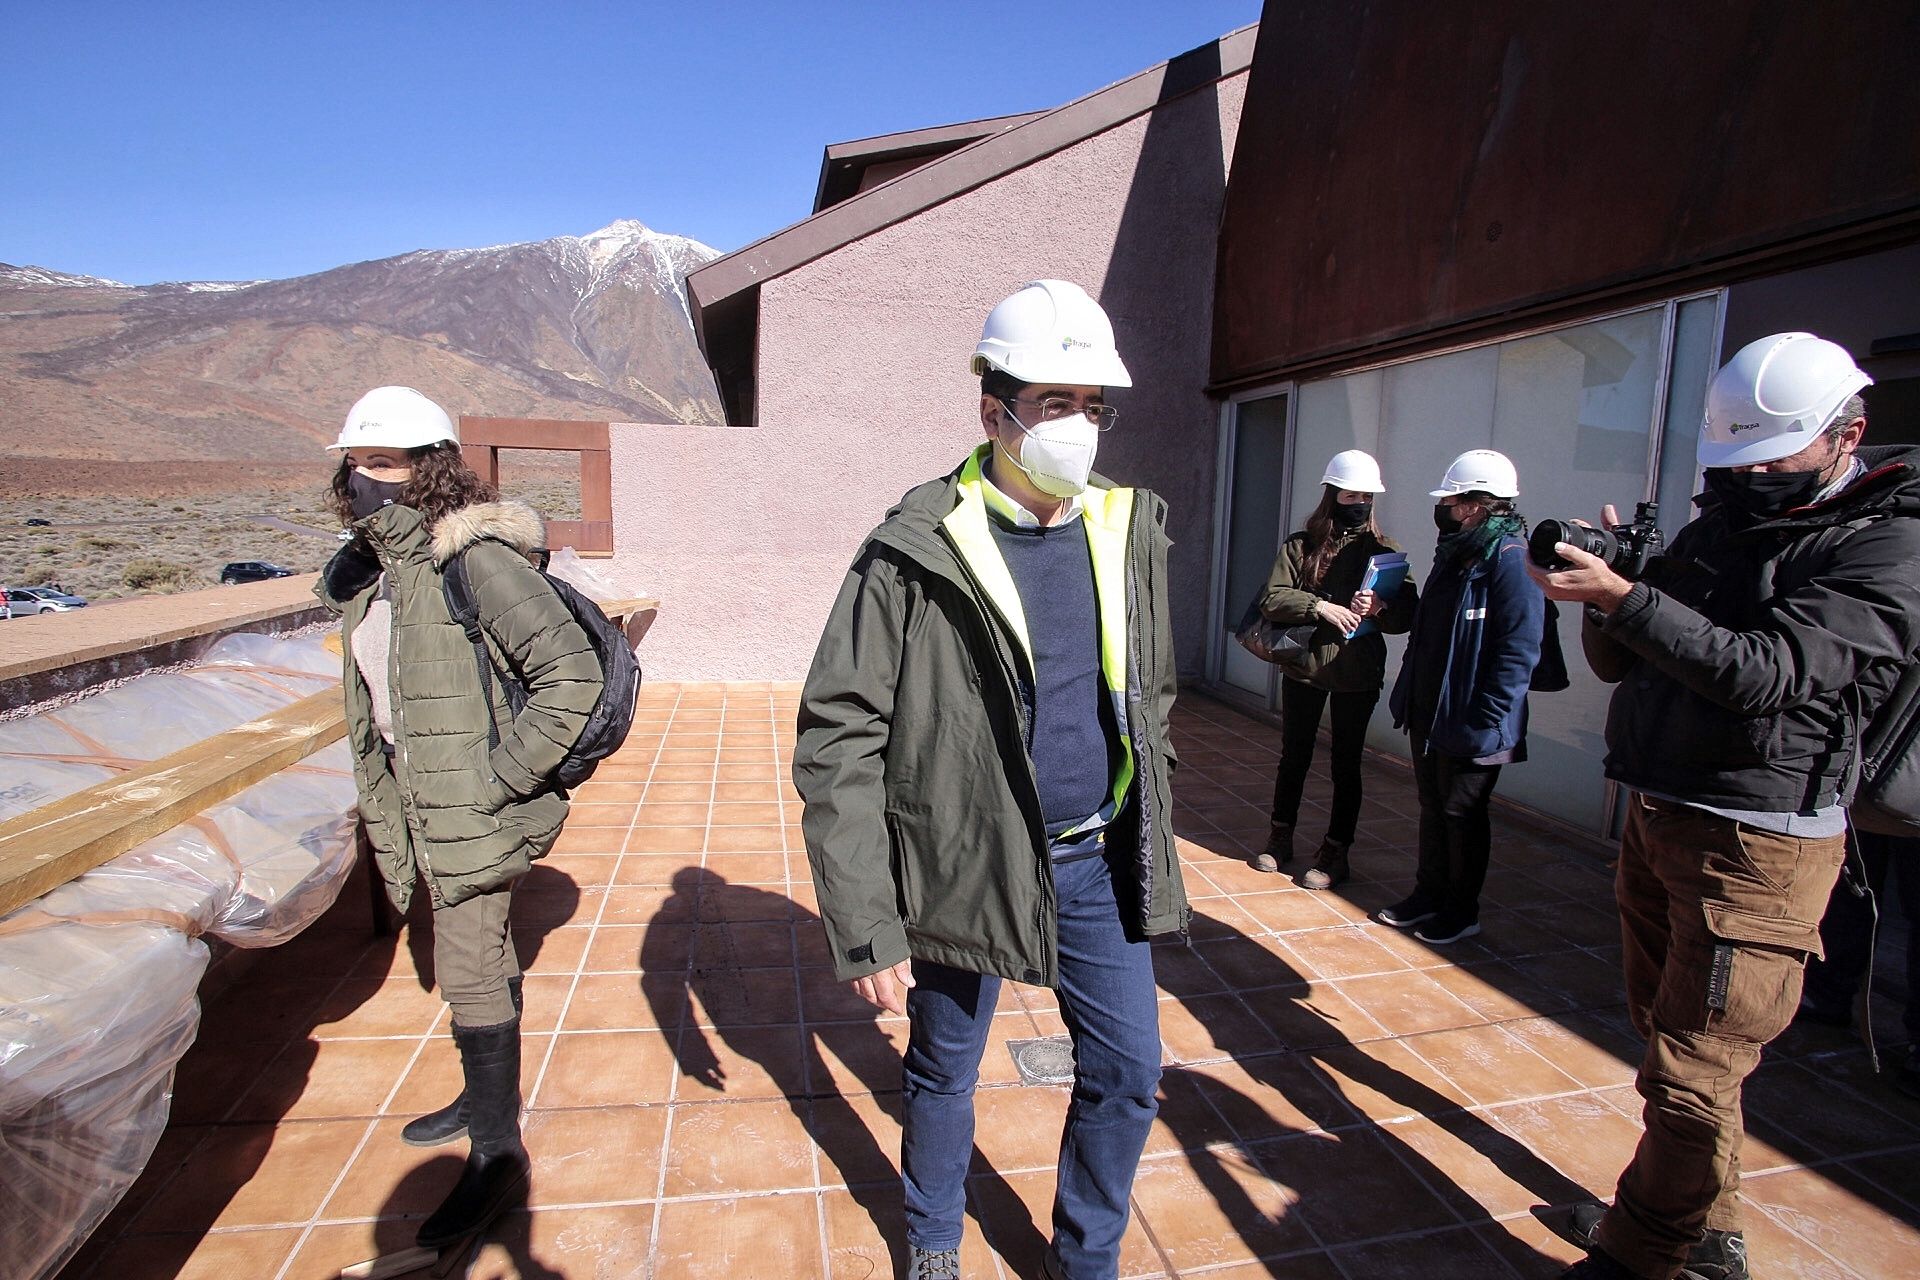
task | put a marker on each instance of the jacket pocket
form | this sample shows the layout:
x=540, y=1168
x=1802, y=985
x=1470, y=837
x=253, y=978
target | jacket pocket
x=906, y=899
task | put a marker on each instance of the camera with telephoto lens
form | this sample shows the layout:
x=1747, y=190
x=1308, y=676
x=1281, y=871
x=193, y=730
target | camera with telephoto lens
x=1626, y=548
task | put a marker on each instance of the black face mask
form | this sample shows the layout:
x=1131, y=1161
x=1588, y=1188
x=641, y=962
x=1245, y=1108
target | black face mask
x=1752, y=496
x=1351, y=515
x=1446, y=518
x=365, y=495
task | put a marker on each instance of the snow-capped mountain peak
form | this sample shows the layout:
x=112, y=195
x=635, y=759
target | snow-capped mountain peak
x=10, y=274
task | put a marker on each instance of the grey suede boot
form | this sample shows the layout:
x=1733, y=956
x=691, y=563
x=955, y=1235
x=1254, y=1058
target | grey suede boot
x=1329, y=866
x=1279, y=850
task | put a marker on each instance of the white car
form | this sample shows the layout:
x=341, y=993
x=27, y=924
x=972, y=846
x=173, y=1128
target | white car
x=25, y=601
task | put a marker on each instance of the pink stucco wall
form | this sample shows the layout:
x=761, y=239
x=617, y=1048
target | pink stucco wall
x=745, y=533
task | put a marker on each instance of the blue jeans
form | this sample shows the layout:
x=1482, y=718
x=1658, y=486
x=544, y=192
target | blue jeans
x=1107, y=1000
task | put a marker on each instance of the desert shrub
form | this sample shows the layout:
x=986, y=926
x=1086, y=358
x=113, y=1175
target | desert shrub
x=98, y=542
x=46, y=550
x=38, y=577
x=156, y=575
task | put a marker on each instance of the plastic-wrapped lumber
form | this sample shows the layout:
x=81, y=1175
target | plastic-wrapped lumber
x=99, y=978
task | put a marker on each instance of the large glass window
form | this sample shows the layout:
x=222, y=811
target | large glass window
x=1258, y=463
x=1577, y=410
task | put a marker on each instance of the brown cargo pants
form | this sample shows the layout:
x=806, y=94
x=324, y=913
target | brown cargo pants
x=1718, y=920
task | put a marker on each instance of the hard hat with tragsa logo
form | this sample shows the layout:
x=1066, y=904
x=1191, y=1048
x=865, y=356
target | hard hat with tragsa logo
x=1051, y=331
x=1774, y=397
x=1480, y=471
x=396, y=418
x=1355, y=471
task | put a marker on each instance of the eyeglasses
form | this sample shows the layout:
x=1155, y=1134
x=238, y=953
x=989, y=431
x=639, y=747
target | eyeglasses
x=1054, y=408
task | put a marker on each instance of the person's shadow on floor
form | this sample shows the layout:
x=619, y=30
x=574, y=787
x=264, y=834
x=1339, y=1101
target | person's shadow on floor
x=700, y=943
x=1298, y=1069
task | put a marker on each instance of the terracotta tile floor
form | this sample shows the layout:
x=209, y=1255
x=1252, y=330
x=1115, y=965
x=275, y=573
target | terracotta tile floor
x=1341, y=1100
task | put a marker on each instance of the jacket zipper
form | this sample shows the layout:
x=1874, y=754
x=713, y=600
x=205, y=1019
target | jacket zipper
x=406, y=759
x=1142, y=658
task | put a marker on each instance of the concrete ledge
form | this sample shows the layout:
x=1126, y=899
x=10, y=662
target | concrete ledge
x=56, y=655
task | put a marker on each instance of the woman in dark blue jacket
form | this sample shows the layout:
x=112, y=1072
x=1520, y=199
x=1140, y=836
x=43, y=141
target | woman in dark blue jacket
x=1462, y=691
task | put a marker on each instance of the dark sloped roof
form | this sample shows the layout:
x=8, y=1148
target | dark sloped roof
x=725, y=293
x=848, y=168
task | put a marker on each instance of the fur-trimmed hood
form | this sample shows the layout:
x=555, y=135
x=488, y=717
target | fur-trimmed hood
x=514, y=523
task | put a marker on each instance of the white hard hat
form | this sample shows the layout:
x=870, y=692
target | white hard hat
x=1354, y=470
x=1051, y=331
x=1774, y=397
x=397, y=418
x=1480, y=471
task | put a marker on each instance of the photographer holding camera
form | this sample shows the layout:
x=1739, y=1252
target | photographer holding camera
x=1747, y=658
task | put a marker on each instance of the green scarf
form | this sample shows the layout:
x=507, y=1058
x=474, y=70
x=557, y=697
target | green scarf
x=1479, y=542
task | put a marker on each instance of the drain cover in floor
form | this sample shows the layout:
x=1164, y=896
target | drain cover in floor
x=1048, y=1060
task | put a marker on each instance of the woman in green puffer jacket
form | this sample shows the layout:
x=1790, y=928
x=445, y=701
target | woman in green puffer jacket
x=442, y=803
x=1317, y=579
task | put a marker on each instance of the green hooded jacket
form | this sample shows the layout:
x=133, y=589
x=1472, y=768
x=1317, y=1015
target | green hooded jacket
x=444, y=803
x=922, y=819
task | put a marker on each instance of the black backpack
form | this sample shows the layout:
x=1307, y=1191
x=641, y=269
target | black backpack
x=1886, y=794
x=612, y=715
x=1550, y=672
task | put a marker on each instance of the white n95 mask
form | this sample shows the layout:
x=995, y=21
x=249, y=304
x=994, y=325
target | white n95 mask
x=1057, y=456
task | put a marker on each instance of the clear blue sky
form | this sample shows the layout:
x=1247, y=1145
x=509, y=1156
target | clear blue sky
x=148, y=141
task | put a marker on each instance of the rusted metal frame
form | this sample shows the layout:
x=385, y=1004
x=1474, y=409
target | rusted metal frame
x=481, y=439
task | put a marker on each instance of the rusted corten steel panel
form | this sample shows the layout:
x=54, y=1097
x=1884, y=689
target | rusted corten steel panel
x=482, y=439
x=1408, y=170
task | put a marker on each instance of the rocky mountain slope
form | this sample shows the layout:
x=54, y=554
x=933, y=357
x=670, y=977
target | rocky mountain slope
x=575, y=327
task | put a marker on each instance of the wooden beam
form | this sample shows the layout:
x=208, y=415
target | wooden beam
x=596, y=486
x=588, y=537
x=534, y=433
x=45, y=847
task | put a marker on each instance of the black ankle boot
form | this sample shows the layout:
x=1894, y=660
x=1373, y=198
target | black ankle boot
x=449, y=1122
x=495, y=1177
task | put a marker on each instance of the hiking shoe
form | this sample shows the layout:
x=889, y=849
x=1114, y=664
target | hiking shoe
x=1583, y=1226
x=1408, y=912
x=932, y=1264
x=1443, y=929
x=1720, y=1255
x=1279, y=848
x=1330, y=866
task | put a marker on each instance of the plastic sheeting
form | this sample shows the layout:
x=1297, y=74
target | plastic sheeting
x=596, y=580
x=99, y=978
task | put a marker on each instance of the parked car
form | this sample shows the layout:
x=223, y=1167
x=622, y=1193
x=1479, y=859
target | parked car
x=41, y=522
x=253, y=571
x=25, y=601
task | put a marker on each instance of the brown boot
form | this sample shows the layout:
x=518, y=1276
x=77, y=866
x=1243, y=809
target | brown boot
x=1279, y=848
x=1329, y=866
